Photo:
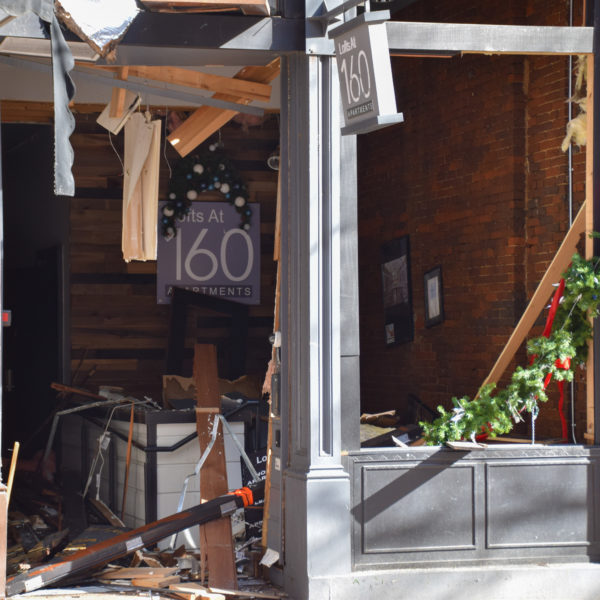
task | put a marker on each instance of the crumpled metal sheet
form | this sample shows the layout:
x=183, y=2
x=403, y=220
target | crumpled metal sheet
x=44, y=9
x=99, y=22
x=64, y=122
x=64, y=89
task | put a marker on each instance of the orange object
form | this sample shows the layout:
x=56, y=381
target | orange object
x=245, y=494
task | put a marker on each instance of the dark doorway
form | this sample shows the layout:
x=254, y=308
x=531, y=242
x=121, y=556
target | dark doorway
x=35, y=239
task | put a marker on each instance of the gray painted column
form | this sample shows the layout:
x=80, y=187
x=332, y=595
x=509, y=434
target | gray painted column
x=316, y=486
x=350, y=336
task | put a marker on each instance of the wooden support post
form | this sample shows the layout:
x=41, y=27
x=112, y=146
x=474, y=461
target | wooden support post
x=559, y=264
x=216, y=538
x=3, y=534
x=117, y=101
x=272, y=367
x=589, y=242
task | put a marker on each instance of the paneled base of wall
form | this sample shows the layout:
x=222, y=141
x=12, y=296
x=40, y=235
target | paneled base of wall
x=515, y=582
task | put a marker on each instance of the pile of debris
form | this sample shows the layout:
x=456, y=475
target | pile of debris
x=109, y=558
x=59, y=535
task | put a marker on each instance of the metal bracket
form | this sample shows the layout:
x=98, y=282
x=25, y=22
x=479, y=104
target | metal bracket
x=373, y=124
x=329, y=16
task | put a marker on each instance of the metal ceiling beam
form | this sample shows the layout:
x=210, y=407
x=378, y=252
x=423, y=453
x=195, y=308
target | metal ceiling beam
x=163, y=39
x=412, y=37
x=202, y=39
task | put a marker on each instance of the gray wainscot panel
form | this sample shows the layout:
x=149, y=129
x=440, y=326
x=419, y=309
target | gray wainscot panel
x=538, y=504
x=509, y=503
x=400, y=508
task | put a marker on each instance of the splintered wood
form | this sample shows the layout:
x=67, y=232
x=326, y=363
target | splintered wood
x=216, y=539
x=248, y=7
x=205, y=120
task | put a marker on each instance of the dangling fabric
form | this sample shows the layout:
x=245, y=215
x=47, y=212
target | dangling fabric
x=64, y=121
x=64, y=89
x=140, y=188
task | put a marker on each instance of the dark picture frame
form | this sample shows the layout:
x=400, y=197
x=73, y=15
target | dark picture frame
x=397, y=291
x=434, y=297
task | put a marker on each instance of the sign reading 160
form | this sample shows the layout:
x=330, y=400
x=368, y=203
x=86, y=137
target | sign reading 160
x=213, y=260
x=358, y=82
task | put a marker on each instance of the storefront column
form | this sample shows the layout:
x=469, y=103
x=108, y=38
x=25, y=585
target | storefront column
x=316, y=490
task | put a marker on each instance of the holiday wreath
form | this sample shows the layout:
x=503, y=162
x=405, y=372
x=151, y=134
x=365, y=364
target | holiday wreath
x=493, y=412
x=209, y=170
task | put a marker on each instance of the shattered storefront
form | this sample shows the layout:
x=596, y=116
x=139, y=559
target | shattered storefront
x=342, y=521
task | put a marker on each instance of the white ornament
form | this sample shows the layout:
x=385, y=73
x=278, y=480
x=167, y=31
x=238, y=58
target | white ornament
x=212, y=147
x=198, y=168
x=168, y=212
x=217, y=184
x=225, y=188
x=246, y=227
x=239, y=201
x=192, y=194
x=172, y=196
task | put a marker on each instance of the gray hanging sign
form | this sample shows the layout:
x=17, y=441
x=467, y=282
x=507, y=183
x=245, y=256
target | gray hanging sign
x=365, y=73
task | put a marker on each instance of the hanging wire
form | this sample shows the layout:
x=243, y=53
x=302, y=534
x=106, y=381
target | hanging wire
x=99, y=455
x=165, y=142
x=118, y=155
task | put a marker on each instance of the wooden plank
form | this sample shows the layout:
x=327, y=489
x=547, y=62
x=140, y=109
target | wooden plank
x=105, y=511
x=248, y=7
x=251, y=90
x=589, y=242
x=272, y=368
x=200, y=594
x=137, y=573
x=216, y=538
x=117, y=100
x=559, y=264
x=155, y=582
x=196, y=587
x=205, y=120
x=3, y=535
x=277, y=245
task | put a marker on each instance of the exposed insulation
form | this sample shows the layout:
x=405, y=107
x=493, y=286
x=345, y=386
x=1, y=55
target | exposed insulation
x=577, y=127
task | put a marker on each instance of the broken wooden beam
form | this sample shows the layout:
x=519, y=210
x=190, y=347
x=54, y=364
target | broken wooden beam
x=126, y=543
x=216, y=538
x=248, y=7
x=559, y=264
x=252, y=90
x=204, y=121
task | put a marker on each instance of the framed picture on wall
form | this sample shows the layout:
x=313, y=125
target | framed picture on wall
x=434, y=300
x=397, y=294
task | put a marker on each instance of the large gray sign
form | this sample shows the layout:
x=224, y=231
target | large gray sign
x=365, y=73
x=211, y=254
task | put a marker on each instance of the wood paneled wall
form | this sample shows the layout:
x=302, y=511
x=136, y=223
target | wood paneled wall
x=118, y=331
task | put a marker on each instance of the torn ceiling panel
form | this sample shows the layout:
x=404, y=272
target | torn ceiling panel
x=44, y=9
x=64, y=89
x=101, y=24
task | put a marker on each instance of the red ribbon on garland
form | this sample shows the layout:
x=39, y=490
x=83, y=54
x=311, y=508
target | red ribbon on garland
x=560, y=364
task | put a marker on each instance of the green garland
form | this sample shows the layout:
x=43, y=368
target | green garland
x=493, y=411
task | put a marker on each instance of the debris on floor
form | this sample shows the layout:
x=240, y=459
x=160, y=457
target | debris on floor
x=66, y=543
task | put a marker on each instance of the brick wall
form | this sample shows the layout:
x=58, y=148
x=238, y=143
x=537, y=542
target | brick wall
x=475, y=176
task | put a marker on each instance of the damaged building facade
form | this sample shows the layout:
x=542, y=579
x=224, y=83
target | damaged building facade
x=472, y=191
